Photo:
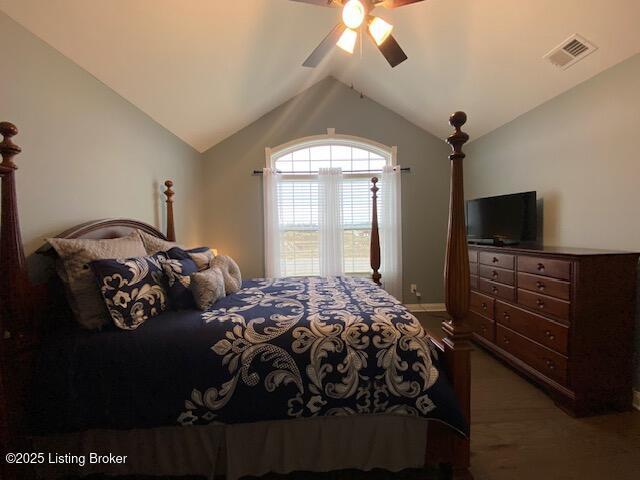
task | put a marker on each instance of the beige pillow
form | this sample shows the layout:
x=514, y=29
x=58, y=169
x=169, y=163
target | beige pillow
x=230, y=272
x=202, y=259
x=207, y=287
x=82, y=289
x=153, y=244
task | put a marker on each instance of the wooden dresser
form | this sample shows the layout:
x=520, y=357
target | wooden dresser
x=563, y=317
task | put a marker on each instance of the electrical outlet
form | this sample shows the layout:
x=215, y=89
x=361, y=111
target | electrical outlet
x=414, y=288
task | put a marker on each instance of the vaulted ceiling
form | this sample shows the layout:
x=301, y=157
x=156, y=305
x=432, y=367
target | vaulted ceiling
x=206, y=68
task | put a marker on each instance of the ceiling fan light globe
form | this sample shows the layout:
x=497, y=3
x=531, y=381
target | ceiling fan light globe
x=353, y=14
x=379, y=30
x=347, y=40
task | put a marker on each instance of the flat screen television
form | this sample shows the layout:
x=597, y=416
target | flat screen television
x=503, y=220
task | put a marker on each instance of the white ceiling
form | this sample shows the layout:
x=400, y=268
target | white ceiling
x=206, y=68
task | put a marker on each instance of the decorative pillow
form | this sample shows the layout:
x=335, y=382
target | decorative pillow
x=153, y=244
x=177, y=269
x=132, y=288
x=75, y=255
x=202, y=257
x=230, y=273
x=207, y=287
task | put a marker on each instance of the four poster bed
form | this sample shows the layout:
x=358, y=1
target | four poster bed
x=383, y=346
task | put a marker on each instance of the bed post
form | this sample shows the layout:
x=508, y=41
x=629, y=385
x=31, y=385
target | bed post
x=14, y=279
x=171, y=231
x=374, y=249
x=14, y=297
x=456, y=286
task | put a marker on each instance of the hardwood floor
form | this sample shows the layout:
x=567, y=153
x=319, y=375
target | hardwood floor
x=518, y=432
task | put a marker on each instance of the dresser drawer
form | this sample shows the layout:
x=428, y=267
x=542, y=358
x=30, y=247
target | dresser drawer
x=547, y=286
x=545, y=266
x=483, y=326
x=497, y=289
x=549, y=363
x=544, y=304
x=499, y=275
x=482, y=305
x=501, y=260
x=548, y=333
x=473, y=256
x=473, y=281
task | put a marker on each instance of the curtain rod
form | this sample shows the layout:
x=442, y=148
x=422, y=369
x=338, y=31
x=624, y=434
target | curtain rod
x=403, y=169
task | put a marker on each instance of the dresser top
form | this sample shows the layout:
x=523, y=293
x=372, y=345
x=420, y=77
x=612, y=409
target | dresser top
x=549, y=250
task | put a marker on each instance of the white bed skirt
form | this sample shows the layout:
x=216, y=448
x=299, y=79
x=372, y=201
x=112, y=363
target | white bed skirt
x=313, y=444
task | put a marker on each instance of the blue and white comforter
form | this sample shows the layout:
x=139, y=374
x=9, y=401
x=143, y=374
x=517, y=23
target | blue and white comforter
x=278, y=349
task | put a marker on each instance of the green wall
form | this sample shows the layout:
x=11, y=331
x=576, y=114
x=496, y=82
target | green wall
x=87, y=153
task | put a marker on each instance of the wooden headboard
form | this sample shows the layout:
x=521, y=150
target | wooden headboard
x=104, y=229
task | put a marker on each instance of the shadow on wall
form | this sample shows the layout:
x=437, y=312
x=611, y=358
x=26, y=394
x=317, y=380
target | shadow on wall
x=41, y=268
x=157, y=203
x=540, y=221
x=548, y=219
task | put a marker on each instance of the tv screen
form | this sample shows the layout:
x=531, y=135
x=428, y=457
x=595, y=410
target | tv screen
x=507, y=219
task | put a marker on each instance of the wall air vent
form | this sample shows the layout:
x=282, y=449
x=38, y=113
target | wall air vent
x=569, y=52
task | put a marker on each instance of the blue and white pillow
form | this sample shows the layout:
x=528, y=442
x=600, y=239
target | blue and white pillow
x=133, y=288
x=178, y=269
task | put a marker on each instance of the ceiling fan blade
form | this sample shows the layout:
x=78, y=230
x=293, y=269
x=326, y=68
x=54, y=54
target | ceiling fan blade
x=396, y=3
x=325, y=46
x=392, y=51
x=321, y=3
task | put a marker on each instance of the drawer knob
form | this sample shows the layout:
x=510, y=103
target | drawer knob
x=540, y=303
x=540, y=285
x=484, y=306
x=541, y=267
x=506, y=316
x=494, y=274
x=495, y=260
x=505, y=340
x=550, y=364
x=494, y=289
x=550, y=335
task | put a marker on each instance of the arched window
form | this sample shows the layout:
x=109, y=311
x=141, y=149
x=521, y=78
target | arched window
x=350, y=154
x=299, y=173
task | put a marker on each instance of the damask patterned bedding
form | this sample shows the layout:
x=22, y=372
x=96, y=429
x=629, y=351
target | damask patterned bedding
x=278, y=349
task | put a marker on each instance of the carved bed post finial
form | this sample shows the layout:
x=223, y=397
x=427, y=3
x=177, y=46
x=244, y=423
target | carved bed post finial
x=8, y=149
x=457, y=292
x=374, y=249
x=171, y=231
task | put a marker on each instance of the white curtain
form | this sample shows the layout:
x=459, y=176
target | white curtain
x=270, y=181
x=390, y=222
x=330, y=221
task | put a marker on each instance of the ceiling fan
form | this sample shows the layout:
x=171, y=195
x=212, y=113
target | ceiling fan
x=356, y=14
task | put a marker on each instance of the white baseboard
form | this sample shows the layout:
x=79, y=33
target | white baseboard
x=426, y=307
x=636, y=399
